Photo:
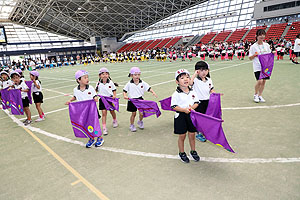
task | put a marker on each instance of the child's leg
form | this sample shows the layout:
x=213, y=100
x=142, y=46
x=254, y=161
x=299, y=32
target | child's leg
x=39, y=109
x=141, y=116
x=181, y=139
x=104, y=115
x=192, y=140
x=132, y=117
x=262, y=87
x=28, y=113
x=113, y=114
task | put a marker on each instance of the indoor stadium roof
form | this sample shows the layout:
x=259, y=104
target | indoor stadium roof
x=83, y=19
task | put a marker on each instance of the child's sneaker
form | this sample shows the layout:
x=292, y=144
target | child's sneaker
x=200, y=137
x=105, y=132
x=261, y=99
x=194, y=155
x=99, y=142
x=256, y=99
x=115, y=124
x=40, y=119
x=27, y=122
x=141, y=124
x=183, y=157
x=132, y=128
x=90, y=143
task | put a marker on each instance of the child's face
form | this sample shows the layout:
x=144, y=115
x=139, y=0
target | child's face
x=183, y=80
x=104, y=75
x=16, y=79
x=261, y=37
x=203, y=73
x=136, y=77
x=4, y=77
x=84, y=80
x=31, y=77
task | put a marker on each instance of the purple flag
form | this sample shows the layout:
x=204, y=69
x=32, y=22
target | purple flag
x=214, y=106
x=5, y=99
x=212, y=128
x=146, y=107
x=166, y=104
x=84, y=119
x=29, y=83
x=110, y=103
x=267, y=64
x=16, y=102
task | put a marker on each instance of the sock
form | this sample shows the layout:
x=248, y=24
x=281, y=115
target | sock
x=41, y=116
x=114, y=120
x=43, y=113
x=104, y=126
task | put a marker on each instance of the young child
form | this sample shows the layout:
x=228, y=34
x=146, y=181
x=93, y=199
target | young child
x=6, y=82
x=203, y=86
x=106, y=87
x=183, y=100
x=36, y=89
x=21, y=85
x=83, y=92
x=135, y=89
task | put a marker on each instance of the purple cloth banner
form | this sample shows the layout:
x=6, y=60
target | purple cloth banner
x=212, y=128
x=16, y=102
x=110, y=103
x=146, y=107
x=29, y=83
x=84, y=119
x=166, y=104
x=5, y=99
x=214, y=106
x=267, y=64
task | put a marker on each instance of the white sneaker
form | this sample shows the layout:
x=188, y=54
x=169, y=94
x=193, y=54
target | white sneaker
x=256, y=99
x=115, y=124
x=261, y=99
x=105, y=132
x=40, y=119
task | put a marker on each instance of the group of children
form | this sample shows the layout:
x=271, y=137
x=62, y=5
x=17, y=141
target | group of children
x=16, y=80
x=192, y=93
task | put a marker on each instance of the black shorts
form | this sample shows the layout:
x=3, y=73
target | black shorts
x=223, y=54
x=37, y=97
x=131, y=107
x=211, y=56
x=101, y=105
x=217, y=55
x=257, y=74
x=282, y=53
x=190, y=56
x=239, y=54
x=297, y=54
x=202, y=107
x=183, y=123
x=25, y=102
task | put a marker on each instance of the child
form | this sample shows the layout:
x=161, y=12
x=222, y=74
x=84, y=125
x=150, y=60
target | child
x=203, y=87
x=21, y=85
x=36, y=89
x=21, y=74
x=183, y=100
x=6, y=82
x=135, y=89
x=83, y=92
x=106, y=87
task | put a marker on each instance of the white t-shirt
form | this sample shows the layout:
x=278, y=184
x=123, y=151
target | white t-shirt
x=88, y=94
x=106, y=89
x=6, y=84
x=260, y=49
x=297, y=45
x=184, y=100
x=203, y=88
x=136, y=91
x=22, y=86
x=34, y=88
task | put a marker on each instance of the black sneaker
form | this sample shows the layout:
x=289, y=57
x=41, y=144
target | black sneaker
x=184, y=158
x=194, y=155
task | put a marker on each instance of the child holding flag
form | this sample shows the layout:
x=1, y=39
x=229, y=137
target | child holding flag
x=184, y=99
x=36, y=89
x=135, y=89
x=106, y=87
x=83, y=92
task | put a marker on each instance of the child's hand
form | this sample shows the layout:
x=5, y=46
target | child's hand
x=68, y=102
x=256, y=54
x=187, y=110
x=154, y=94
x=221, y=94
x=114, y=97
x=125, y=97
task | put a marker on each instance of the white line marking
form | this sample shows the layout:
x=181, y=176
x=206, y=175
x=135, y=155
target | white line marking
x=262, y=107
x=156, y=155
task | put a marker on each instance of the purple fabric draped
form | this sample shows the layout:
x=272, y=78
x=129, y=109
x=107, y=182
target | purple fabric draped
x=5, y=99
x=166, y=104
x=29, y=83
x=110, y=103
x=267, y=64
x=15, y=99
x=211, y=127
x=214, y=106
x=84, y=119
x=146, y=107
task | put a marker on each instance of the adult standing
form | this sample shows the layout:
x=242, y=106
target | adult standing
x=258, y=48
x=297, y=48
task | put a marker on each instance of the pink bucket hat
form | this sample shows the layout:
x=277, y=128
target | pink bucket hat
x=134, y=70
x=102, y=70
x=34, y=73
x=14, y=72
x=80, y=73
x=19, y=71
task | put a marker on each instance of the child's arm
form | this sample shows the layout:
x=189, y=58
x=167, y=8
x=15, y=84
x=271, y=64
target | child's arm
x=125, y=95
x=179, y=109
x=154, y=94
x=193, y=77
x=114, y=94
x=72, y=99
x=96, y=98
x=36, y=85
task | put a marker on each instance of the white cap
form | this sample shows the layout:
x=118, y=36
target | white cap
x=181, y=71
